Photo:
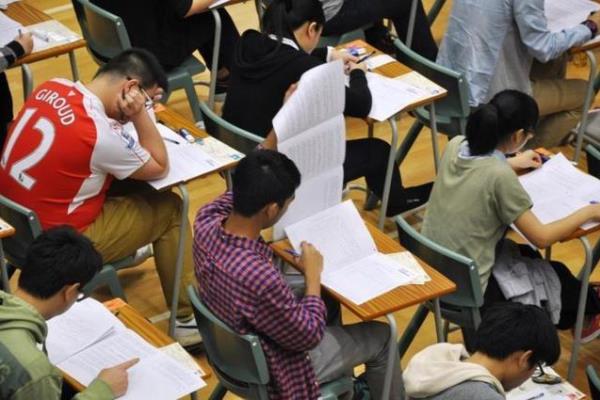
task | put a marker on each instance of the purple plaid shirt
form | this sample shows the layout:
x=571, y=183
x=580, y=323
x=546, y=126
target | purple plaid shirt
x=239, y=283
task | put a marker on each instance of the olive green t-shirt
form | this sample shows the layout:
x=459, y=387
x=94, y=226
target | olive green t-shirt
x=472, y=203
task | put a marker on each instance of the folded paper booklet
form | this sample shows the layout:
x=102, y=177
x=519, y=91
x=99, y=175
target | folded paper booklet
x=88, y=338
x=352, y=266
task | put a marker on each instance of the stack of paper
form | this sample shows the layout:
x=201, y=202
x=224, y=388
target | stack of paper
x=87, y=339
x=531, y=390
x=46, y=34
x=409, y=261
x=311, y=131
x=558, y=189
x=352, y=266
x=189, y=160
x=567, y=14
x=390, y=96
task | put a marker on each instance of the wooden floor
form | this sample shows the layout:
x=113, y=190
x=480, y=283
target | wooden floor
x=141, y=283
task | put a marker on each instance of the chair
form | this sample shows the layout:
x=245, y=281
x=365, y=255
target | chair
x=451, y=112
x=593, y=381
x=593, y=160
x=238, y=138
x=434, y=11
x=239, y=361
x=460, y=307
x=106, y=36
x=27, y=227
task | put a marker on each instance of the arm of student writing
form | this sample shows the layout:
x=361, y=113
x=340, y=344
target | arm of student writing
x=293, y=324
x=358, y=95
x=541, y=43
x=544, y=235
x=20, y=46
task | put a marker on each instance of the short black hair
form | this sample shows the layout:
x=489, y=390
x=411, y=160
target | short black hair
x=137, y=63
x=58, y=257
x=510, y=327
x=492, y=123
x=261, y=178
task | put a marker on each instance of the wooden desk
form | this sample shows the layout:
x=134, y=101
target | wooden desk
x=390, y=302
x=133, y=320
x=27, y=14
x=6, y=230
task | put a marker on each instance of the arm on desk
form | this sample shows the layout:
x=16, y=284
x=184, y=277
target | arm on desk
x=19, y=47
x=195, y=7
x=544, y=235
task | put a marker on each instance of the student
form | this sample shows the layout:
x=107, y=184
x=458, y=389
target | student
x=477, y=196
x=510, y=342
x=173, y=30
x=346, y=15
x=240, y=284
x=58, y=264
x=494, y=43
x=21, y=46
x=266, y=65
x=68, y=144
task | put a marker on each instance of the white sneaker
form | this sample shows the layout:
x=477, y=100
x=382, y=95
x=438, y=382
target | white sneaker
x=187, y=334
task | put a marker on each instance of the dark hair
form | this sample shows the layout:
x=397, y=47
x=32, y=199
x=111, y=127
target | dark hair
x=510, y=327
x=137, y=63
x=492, y=123
x=261, y=178
x=58, y=257
x=283, y=17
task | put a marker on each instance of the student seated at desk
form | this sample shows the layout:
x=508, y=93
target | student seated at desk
x=240, y=284
x=266, y=65
x=494, y=44
x=511, y=341
x=58, y=265
x=477, y=196
x=347, y=15
x=68, y=144
x=21, y=46
x=173, y=30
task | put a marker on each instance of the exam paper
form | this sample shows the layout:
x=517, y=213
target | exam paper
x=379, y=60
x=390, y=96
x=558, y=189
x=85, y=323
x=562, y=14
x=531, y=390
x=407, y=260
x=9, y=29
x=179, y=354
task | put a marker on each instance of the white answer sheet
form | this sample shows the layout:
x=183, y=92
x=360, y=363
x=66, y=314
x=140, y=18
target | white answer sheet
x=390, y=96
x=562, y=14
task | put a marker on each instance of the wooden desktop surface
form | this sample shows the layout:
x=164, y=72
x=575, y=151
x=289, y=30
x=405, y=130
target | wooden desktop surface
x=393, y=70
x=135, y=321
x=397, y=299
x=27, y=14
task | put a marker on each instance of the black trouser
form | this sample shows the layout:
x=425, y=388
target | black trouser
x=368, y=158
x=6, y=108
x=569, y=294
x=358, y=13
x=197, y=32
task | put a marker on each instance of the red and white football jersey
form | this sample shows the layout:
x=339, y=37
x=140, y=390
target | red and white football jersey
x=62, y=152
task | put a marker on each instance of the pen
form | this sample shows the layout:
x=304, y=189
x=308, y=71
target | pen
x=292, y=252
x=365, y=57
x=170, y=140
x=593, y=202
x=186, y=135
x=41, y=35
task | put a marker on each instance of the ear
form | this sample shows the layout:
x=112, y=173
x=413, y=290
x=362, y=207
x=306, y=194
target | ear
x=70, y=292
x=313, y=29
x=272, y=210
x=523, y=360
x=130, y=83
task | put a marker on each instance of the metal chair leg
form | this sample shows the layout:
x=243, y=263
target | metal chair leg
x=218, y=393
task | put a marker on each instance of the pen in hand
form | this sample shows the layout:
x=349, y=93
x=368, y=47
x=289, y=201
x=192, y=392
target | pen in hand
x=366, y=57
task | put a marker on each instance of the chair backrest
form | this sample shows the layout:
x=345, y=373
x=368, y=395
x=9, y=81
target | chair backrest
x=456, y=104
x=593, y=160
x=104, y=33
x=461, y=270
x=27, y=227
x=238, y=138
x=593, y=381
x=238, y=360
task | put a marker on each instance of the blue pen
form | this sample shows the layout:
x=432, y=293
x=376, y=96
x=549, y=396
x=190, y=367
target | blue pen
x=186, y=135
x=292, y=252
x=593, y=202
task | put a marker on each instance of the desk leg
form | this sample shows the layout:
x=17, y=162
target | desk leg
x=180, y=255
x=589, y=97
x=434, y=137
x=27, y=80
x=439, y=324
x=392, y=353
x=215, y=61
x=4, y=272
x=585, y=277
x=411, y=23
x=388, y=174
x=73, y=62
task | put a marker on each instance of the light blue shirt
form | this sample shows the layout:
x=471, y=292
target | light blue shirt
x=493, y=43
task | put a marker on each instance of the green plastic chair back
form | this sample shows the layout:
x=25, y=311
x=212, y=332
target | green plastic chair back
x=593, y=381
x=461, y=306
x=453, y=110
x=238, y=138
x=27, y=227
x=238, y=360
